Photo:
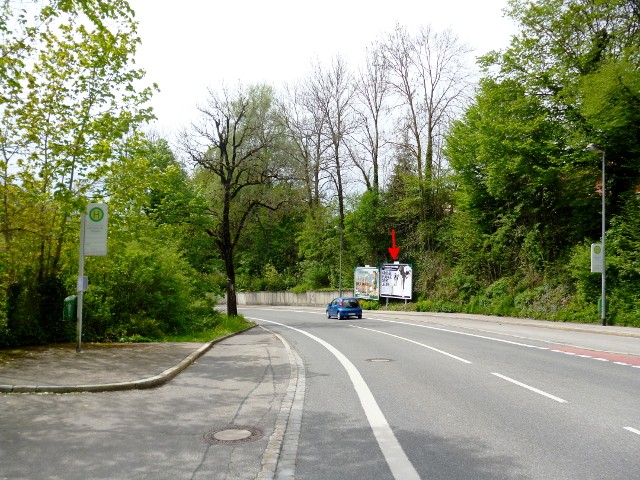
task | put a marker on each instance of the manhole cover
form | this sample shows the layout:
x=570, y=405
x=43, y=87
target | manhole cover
x=374, y=360
x=232, y=435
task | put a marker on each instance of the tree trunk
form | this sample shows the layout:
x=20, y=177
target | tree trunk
x=232, y=301
x=227, y=252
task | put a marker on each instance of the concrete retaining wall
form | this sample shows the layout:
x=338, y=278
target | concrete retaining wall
x=307, y=299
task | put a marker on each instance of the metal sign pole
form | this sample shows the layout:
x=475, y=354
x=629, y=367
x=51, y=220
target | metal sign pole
x=80, y=285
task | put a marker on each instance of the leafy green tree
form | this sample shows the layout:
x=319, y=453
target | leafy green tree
x=149, y=189
x=580, y=58
x=269, y=246
x=318, y=244
x=70, y=98
x=516, y=179
x=610, y=106
x=368, y=230
x=623, y=264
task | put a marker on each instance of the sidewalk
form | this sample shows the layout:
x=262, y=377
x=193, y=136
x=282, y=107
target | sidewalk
x=234, y=367
x=99, y=367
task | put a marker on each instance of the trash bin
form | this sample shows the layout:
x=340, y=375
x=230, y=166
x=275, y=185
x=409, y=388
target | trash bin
x=70, y=308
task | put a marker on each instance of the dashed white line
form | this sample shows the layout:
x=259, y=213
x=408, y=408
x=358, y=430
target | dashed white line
x=417, y=343
x=529, y=387
x=632, y=430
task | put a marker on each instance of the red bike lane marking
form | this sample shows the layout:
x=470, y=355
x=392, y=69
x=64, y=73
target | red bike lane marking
x=611, y=357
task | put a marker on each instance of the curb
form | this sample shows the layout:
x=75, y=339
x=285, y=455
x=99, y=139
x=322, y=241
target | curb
x=149, y=382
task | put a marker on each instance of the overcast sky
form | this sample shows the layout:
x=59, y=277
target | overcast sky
x=191, y=45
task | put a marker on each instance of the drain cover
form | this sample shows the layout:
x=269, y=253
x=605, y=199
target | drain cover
x=232, y=435
x=379, y=360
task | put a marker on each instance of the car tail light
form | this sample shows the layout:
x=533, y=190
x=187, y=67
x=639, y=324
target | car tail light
x=341, y=303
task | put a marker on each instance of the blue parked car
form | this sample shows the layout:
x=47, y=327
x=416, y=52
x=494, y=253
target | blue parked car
x=344, y=307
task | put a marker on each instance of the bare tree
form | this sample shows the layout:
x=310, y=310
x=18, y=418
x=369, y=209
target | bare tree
x=429, y=74
x=332, y=93
x=304, y=125
x=444, y=86
x=372, y=90
x=233, y=142
x=399, y=53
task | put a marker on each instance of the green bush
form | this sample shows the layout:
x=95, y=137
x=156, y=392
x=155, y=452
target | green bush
x=544, y=302
x=34, y=311
x=435, y=305
x=496, y=299
x=370, y=304
x=146, y=290
x=315, y=275
x=400, y=306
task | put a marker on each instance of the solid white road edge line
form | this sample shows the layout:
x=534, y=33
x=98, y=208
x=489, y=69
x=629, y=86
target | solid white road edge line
x=398, y=462
x=528, y=387
x=632, y=430
x=417, y=343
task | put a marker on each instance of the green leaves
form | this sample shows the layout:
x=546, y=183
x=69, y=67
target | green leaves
x=70, y=98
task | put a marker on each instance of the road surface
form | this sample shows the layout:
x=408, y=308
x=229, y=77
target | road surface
x=437, y=397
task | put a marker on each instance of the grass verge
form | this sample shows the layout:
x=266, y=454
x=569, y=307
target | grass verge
x=226, y=326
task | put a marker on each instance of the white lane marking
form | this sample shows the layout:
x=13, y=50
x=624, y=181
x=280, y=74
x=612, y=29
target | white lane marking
x=563, y=352
x=529, y=387
x=632, y=430
x=398, y=462
x=417, y=343
x=510, y=342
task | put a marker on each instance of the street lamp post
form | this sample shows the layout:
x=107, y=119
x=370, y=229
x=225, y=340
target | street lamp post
x=340, y=260
x=592, y=147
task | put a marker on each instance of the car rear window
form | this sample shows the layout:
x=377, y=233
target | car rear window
x=351, y=303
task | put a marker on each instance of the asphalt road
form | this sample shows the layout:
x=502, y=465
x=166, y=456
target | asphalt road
x=393, y=396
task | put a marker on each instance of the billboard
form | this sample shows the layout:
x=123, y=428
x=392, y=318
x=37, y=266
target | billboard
x=366, y=283
x=396, y=280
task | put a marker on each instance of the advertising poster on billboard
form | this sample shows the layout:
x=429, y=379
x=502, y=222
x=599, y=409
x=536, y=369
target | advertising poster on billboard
x=396, y=280
x=366, y=283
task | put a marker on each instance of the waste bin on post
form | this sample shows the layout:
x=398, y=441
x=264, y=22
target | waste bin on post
x=70, y=308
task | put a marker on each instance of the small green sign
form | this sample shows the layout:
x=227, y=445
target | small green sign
x=96, y=214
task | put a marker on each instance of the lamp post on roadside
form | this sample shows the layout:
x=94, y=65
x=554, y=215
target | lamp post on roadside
x=592, y=147
x=340, y=261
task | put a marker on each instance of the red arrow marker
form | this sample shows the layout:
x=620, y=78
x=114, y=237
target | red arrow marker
x=393, y=250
